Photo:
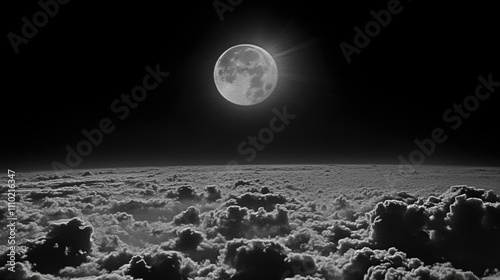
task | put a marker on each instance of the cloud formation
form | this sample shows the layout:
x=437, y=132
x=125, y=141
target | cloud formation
x=153, y=228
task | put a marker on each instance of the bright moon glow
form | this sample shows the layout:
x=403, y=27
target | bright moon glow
x=246, y=74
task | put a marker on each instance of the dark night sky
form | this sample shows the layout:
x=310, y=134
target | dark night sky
x=369, y=111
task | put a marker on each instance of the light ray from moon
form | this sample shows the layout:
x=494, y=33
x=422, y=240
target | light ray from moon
x=297, y=48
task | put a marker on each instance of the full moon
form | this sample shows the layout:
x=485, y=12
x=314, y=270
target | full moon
x=246, y=74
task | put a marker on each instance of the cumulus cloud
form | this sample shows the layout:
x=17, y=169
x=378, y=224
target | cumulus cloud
x=301, y=264
x=309, y=240
x=395, y=223
x=84, y=270
x=22, y=271
x=241, y=183
x=183, y=193
x=392, y=264
x=462, y=226
x=109, y=243
x=190, y=216
x=235, y=221
x=189, y=239
x=435, y=272
x=470, y=237
x=228, y=222
x=212, y=193
x=67, y=244
x=115, y=260
x=159, y=264
x=257, y=259
x=256, y=200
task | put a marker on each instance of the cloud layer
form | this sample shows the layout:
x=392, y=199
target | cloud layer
x=129, y=228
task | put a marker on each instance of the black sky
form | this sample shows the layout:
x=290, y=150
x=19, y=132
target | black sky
x=369, y=111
